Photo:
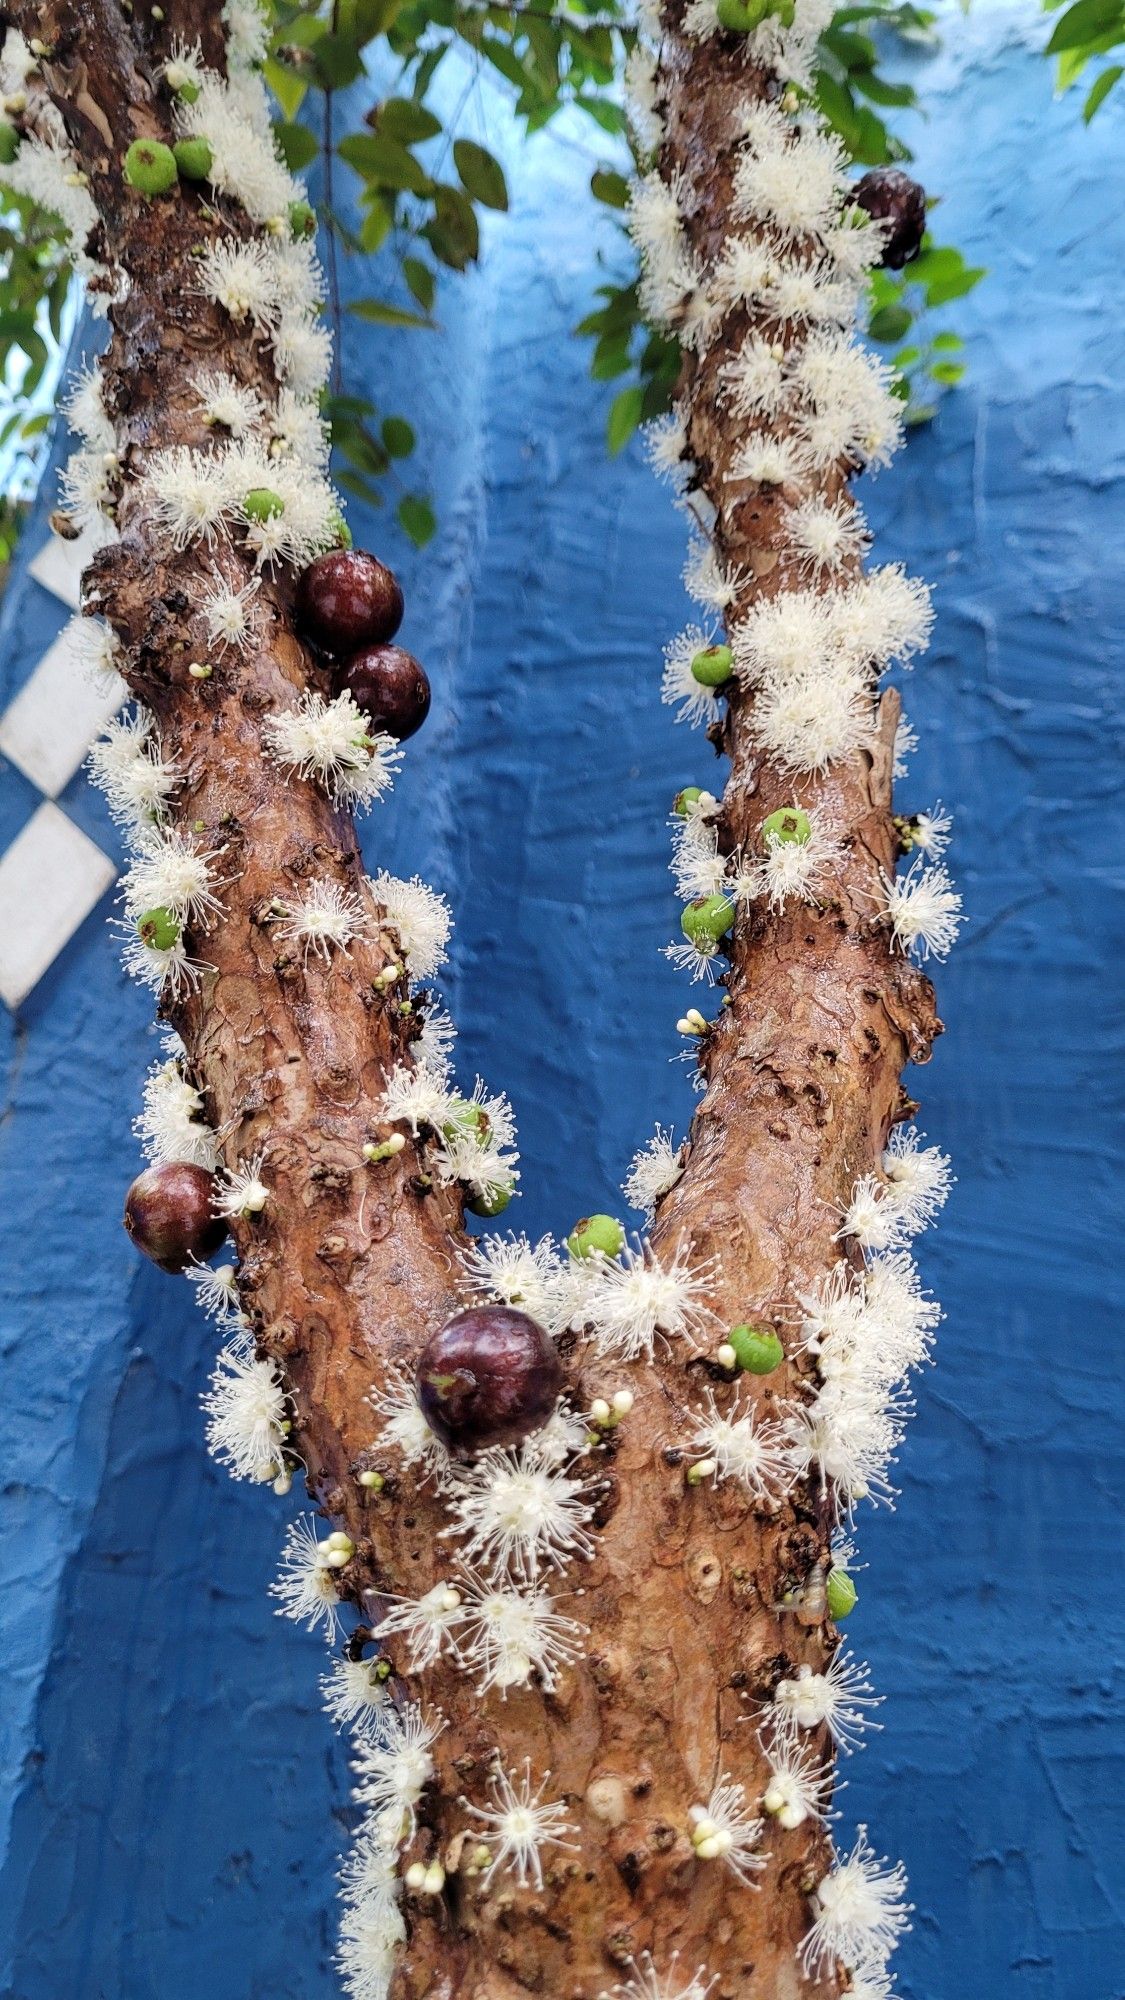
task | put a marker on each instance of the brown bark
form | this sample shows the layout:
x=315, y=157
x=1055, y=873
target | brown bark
x=351, y=1267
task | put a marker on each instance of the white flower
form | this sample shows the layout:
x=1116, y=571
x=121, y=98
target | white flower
x=418, y=1095
x=723, y=1830
x=353, y=1692
x=883, y=616
x=248, y=32
x=427, y=1623
x=800, y=1786
x=302, y=352
x=227, y=613
x=920, y=1179
x=305, y=1586
x=46, y=172
x=827, y=536
x=216, y=1293
x=791, y=868
x=706, y=579
x=87, y=486
x=85, y=411
x=171, y=873
x=518, y=1514
x=184, y=65
x=421, y=919
x=227, y=402
x=695, y=956
x=518, y=1825
x=369, y=1940
x=192, y=494
x=96, y=651
x=754, y=380
x=300, y=280
x=745, y=272
x=872, y=1217
x=924, y=909
x=329, y=742
x=784, y=638
x=297, y=428
x=849, y=1435
x=521, y=1274
x=509, y=1630
x=631, y=1299
x=852, y=411
x=241, y=278
x=837, y=1699
x=807, y=293
x=642, y=98
x=929, y=832
x=679, y=688
x=405, y=1428
x=698, y=868
x=245, y=1406
x=813, y=719
x=168, y=971
x=767, y=459
x=666, y=448
x=871, y=1980
x=861, y=1911
x=127, y=764
x=325, y=916
x=755, y=1454
x=244, y=162
x=243, y=1191
x=905, y=744
x=171, y=1124
x=434, y=1044
x=645, y=1983
x=393, y=1771
x=653, y=1172
x=796, y=188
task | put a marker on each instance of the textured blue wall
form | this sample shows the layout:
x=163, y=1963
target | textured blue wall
x=174, y=1803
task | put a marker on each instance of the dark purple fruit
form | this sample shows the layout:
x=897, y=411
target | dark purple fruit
x=169, y=1215
x=892, y=198
x=347, y=599
x=391, y=687
x=491, y=1376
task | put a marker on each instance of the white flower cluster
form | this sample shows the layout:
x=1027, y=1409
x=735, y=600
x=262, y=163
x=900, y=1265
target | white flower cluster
x=470, y=1140
x=629, y=1302
x=171, y=1124
x=499, y=1628
x=200, y=495
x=246, y=1406
x=330, y=742
x=47, y=172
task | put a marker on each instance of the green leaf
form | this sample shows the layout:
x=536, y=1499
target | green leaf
x=289, y=88
x=947, y=371
x=400, y=118
x=298, y=145
x=420, y=280
x=1082, y=23
x=359, y=487
x=890, y=323
x=1100, y=90
x=481, y=174
x=939, y=291
x=380, y=312
x=397, y=436
x=385, y=162
x=453, y=235
x=609, y=187
x=624, y=416
x=417, y=517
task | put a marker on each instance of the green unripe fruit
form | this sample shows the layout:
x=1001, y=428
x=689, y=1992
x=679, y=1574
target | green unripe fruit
x=494, y=1203
x=302, y=219
x=262, y=503
x=840, y=1594
x=712, y=667
x=788, y=828
x=466, y=1119
x=707, y=920
x=187, y=92
x=194, y=158
x=756, y=1349
x=594, y=1233
x=737, y=16
x=150, y=167
x=685, y=800
x=9, y=143
x=158, y=929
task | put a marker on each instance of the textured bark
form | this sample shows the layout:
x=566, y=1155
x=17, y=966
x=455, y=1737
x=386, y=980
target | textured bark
x=351, y=1267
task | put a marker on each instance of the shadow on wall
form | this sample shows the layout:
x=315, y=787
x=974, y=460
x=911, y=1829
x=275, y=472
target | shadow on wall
x=177, y=1798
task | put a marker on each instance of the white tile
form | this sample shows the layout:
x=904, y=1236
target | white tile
x=50, y=724
x=50, y=879
x=58, y=566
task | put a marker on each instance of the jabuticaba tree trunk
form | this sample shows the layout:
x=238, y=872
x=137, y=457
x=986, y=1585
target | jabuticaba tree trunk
x=350, y=1267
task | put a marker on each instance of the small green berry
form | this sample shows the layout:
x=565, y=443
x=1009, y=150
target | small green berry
x=593, y=1233
x=712, y=667
x=494, y=1203
x=466, y=1119
x=262, y=503
x=9, y=143
x=735, y=15
x=756, y=1349
x=158, y=929
x=373, y=1481
x=188, y=92
x=709, y=919
x=382, y=1670
x=150, y=167
x=840, y=1594
x=788, y=828
x=685, y=800
x=194, y=159
x=302, y=218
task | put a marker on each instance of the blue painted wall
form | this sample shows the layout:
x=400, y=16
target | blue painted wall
x=173, y=1801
